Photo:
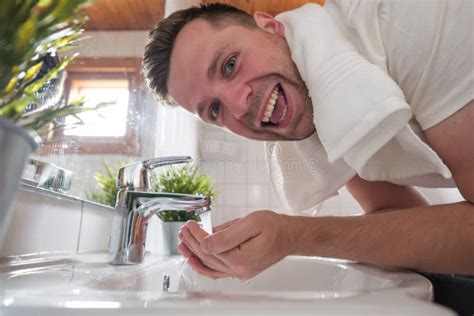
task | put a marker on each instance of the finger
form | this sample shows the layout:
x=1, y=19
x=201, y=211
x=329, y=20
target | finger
x=230, y=237
x=200, y=268
x=184, y=250
x=223, y=226
x=196, y=230
x=193, y=245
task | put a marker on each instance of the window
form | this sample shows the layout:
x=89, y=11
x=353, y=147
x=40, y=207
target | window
x=114, y=129
x=110, y=121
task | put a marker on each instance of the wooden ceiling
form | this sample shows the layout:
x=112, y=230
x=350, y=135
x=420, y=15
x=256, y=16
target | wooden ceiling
x=270, y=6
x=124, y=15
x=121, y=15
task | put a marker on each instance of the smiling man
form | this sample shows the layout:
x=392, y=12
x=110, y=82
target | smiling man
x=380, y=94
x=242, y=80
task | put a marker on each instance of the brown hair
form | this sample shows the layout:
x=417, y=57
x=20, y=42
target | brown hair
x=156, y=60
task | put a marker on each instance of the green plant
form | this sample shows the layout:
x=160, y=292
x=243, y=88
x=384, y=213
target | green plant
x=30, y=31
x=106, y=182
x=186, y=180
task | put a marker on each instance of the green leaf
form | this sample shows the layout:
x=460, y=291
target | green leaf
x=187, y=180
x=32, y=71
x=15, y=109
x=48, y=42
x=43, y=4
x=35, y=86
x=28, y=30
x=37, y=119
x=26, y=34
x=11, y=84
x=107, y=192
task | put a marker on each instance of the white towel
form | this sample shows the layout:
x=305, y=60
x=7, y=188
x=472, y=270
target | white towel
x=361, y=117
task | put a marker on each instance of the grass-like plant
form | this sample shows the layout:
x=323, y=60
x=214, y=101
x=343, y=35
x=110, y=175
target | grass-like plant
x=30, y=31
x=106, y=181
x=175, y=179
x=187, y=180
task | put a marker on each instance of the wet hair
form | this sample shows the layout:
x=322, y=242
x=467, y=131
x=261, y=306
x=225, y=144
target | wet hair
x=156, y=60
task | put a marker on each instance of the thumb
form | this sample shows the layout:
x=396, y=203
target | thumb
x=230, y=237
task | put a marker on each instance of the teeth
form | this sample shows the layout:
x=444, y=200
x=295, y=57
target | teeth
x=270, y=106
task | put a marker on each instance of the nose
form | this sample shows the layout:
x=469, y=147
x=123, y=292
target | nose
x=235, y=98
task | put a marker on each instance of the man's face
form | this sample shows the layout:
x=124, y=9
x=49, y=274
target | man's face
x=242, y=79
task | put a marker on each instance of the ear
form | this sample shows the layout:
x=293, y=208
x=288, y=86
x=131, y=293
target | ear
x=268, y=23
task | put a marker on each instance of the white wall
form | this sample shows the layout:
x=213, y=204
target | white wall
x=47, y=222
x=177, y=132
x=240, y=175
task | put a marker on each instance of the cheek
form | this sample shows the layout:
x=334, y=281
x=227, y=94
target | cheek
x=239, y=128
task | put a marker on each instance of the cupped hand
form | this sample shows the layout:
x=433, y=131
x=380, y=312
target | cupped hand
x=190, y=248
x=241, y=248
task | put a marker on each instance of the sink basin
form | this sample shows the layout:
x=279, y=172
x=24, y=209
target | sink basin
x=293, y=277
x=85, y=284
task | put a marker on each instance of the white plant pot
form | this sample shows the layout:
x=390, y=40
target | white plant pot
x=15, y=147
x=170, y=237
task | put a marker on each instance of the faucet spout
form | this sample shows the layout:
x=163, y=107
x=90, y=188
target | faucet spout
x=137, y=203
x=127, y=246
x=147, y=207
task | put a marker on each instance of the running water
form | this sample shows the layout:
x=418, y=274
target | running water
x=206, y=221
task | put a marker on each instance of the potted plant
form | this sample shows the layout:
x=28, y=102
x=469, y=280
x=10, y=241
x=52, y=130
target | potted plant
x=185, y=179
x=32, y=35
x=181, y=179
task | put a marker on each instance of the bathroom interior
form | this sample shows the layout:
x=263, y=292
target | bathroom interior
x=53, y=260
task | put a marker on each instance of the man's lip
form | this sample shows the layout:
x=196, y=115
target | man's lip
x=264, y=105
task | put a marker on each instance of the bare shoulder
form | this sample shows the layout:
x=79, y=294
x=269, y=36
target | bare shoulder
x=453, y=140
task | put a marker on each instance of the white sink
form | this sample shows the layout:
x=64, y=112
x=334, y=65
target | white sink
x=85, y=284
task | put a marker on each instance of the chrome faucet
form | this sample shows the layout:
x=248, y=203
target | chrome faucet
x=137, y=203
x=48, y=176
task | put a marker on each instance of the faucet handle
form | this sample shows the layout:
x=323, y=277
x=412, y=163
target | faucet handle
x=137, y=175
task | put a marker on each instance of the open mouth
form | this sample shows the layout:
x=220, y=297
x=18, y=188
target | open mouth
x=276, y=109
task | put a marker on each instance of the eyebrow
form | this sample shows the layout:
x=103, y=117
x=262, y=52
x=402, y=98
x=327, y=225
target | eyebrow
x=211, y=70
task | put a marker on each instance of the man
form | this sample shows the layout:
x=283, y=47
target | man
x=238, y=72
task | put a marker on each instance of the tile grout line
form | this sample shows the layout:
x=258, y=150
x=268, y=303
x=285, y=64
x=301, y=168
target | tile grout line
x=80, y=228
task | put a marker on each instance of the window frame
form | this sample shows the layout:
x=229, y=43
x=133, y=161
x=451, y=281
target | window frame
x=108, y=68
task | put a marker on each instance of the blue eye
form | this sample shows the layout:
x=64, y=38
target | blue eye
x=214, y=110
x=229, y=65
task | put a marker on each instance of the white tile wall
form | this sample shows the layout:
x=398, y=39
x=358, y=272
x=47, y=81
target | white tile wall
x=177, y=132
x=45, y=222
x=96, y=227
x=41, y=223
x=48, y=222
x=238, y=168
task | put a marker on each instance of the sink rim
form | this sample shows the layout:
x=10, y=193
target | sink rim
x=84, y=292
